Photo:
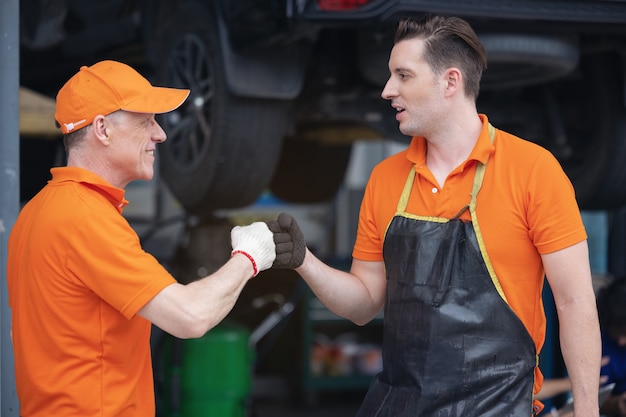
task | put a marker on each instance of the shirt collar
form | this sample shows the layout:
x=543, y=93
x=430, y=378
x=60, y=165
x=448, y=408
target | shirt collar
x=80, y=175
x=481, y=152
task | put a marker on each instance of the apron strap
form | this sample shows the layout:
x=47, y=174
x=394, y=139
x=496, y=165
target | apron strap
x=478, y=182
x=480, y=171
x=406, y=192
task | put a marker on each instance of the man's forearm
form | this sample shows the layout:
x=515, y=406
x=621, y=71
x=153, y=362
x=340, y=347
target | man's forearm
x=582, y=352
x=344, y=293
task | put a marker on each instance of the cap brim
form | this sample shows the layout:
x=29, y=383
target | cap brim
x=158, y=100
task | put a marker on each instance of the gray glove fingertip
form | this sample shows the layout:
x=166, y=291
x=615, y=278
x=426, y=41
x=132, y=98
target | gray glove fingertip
x=285, y=220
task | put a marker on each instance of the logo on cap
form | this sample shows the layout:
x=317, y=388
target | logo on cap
x=71, y=126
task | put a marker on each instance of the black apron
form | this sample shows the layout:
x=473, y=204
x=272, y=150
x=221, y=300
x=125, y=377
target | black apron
x=452, y=345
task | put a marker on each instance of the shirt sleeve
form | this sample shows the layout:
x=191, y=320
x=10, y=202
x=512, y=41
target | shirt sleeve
x=379, y=205
x=368, y=245
x=554, y=219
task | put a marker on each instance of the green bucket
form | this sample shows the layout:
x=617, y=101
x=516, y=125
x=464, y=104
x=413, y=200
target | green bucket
x=209, y=376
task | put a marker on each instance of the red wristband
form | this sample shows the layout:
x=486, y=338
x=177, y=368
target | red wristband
x=247, y=255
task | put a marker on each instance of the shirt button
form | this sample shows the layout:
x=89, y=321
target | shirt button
x=435, y=190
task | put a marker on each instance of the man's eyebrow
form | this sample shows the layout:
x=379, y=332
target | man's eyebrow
x=401, y=69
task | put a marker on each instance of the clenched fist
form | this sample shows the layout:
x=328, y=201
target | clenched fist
x=256, y=242
x=289, y=240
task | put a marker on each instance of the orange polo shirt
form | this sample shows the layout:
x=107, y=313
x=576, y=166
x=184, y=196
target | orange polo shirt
x=77, y=276
x=526, y=207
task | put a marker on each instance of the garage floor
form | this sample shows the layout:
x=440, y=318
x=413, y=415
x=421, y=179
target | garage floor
x=329, y=410
x=336, y=404
x=275, y=396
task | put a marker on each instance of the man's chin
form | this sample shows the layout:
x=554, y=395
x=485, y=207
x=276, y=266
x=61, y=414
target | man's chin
x=406, y=132
x=147, y=175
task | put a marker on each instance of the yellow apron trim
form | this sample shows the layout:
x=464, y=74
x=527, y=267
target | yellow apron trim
x=480, y=173
x=478, y=182
x=403, y=202
x=534, y=380
x=426, y=218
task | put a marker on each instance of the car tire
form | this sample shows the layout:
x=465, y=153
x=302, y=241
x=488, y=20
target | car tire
x=221, y=149
x=518, y=60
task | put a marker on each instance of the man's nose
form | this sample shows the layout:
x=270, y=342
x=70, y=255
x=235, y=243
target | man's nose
x=388, y=91
x=159, y=134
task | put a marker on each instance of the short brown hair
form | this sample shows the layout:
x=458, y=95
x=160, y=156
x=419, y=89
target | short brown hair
x=449, y=41
x=73, y=139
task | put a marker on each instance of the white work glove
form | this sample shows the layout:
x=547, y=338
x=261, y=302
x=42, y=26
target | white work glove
x=256, y=242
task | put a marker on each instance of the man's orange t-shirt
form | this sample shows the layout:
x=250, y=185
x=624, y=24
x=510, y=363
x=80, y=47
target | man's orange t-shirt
x=77, y=276
x=526, y=207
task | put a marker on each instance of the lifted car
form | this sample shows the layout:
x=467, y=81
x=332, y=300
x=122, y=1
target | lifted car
x=282, y=88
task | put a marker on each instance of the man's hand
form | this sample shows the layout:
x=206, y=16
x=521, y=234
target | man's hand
x=289, y=240
x=256, y=242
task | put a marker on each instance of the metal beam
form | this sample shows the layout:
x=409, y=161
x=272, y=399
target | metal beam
x=9, y=187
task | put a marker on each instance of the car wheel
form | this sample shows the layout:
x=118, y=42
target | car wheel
x=221, y=149
x=517, y=60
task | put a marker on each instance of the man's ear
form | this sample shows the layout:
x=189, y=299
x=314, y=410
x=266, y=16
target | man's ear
x=100, y=129
x=454, y=80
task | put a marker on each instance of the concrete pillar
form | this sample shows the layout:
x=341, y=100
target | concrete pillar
x=9, y=187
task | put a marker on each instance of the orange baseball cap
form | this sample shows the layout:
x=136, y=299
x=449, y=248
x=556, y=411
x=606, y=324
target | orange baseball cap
x=108, y=86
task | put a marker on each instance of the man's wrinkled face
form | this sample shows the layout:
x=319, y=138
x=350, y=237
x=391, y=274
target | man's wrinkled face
x=134, y=137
